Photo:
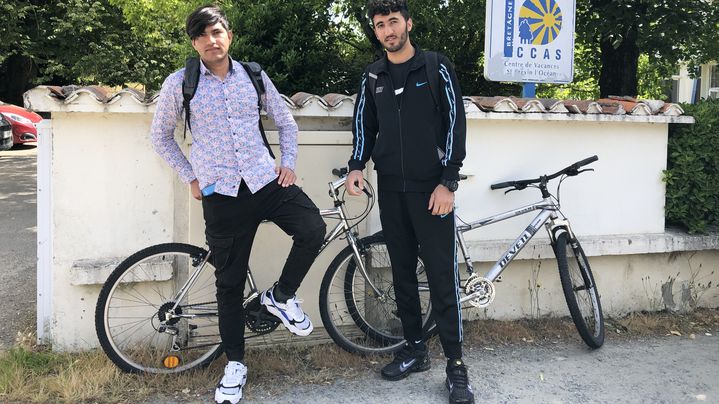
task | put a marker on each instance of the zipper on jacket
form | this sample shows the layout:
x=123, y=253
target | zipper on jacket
x=399, y=116
x=399, y=120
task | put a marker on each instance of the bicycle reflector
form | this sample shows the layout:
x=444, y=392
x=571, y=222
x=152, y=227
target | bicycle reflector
x=171, y=361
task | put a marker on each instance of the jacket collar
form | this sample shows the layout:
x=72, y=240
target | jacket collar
x=418, y=60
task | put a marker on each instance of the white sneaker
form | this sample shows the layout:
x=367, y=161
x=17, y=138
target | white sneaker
x=229, y=390
x=290, y=313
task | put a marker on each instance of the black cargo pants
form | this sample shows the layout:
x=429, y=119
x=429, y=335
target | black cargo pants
x=230, y=226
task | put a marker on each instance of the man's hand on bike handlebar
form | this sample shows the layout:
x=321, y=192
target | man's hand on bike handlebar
x=354, y=182
x=195, y=189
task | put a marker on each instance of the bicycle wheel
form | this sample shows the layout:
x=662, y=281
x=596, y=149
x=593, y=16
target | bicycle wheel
x=580, y=290
x=356, y=317
x=133, y=320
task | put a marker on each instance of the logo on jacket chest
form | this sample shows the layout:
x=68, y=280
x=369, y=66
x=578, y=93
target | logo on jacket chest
x=379, y=89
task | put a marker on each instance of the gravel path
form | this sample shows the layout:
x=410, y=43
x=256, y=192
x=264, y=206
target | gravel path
x=656, y=370
x=18, y=248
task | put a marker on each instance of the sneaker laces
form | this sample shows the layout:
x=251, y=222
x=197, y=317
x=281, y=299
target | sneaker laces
x=234, y=373
x=458, y=376
x=293, y=306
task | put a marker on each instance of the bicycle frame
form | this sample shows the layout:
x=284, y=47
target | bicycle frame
x=548, y=213
x=343, y=227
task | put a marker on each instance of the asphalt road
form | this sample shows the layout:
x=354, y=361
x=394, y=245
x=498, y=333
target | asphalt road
x=18, y=231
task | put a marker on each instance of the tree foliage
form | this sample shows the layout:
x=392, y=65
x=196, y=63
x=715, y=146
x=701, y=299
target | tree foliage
x=623, y=47
x=296, y=42
x=73, y=42
x=693, y=169
x=666, y=31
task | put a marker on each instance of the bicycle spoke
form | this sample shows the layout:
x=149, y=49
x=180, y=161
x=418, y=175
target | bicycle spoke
x=133, y=306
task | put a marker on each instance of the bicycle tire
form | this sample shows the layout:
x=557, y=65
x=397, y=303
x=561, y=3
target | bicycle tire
x=134, y=300
x=580, y=290
x=354, y=317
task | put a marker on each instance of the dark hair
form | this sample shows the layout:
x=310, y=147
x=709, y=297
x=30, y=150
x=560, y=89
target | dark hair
x=203, y=16
x=384, y=7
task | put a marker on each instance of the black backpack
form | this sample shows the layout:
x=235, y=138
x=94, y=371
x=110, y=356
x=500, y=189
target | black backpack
x=192, y=78
x=432, y=69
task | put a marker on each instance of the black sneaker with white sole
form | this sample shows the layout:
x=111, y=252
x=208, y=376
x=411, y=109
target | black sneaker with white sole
x=412, y=358
x=460, y=392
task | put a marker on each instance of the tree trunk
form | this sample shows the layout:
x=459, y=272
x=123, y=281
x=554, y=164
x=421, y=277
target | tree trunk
x=20, y=71
x=619, y=65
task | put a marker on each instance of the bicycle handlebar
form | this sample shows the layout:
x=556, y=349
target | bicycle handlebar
x=570, y=170
x=342, y=174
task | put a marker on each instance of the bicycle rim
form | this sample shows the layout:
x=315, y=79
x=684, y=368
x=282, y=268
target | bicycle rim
x=581, y=292
x=359, y=319
x=137, y=332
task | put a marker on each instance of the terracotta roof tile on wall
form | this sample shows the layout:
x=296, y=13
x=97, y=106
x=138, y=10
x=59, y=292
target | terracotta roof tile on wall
x=500, y=104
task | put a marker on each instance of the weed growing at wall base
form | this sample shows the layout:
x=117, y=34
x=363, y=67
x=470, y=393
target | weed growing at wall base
x=34, y=374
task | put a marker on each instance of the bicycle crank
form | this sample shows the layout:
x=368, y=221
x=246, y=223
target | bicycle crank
x=480, y=290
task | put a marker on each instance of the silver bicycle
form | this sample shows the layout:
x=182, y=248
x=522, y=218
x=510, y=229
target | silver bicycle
x=157, y=311
x=349, y=299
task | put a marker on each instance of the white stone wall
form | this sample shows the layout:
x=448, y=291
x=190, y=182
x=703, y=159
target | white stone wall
x=111, y=195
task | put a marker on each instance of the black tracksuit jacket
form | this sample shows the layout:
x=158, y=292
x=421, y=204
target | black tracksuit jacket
x=413, y=143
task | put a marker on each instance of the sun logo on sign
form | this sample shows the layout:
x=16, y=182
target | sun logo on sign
x=540, y=21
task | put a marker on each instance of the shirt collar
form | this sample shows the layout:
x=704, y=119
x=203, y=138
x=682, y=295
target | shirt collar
x=205, y=70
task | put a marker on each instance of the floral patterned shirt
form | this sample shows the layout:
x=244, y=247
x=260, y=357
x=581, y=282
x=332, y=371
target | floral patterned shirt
x=227, y=146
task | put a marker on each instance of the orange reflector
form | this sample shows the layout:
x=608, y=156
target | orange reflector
x=171, y=361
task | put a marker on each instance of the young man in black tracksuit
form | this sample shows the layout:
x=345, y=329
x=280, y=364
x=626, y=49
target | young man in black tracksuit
x=417, y=142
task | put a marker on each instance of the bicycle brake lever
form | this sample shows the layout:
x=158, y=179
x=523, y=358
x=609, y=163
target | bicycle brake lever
x=510, y=190
x=586, y=169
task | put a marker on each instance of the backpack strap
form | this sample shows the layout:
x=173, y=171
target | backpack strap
x=432, y=69
x=254, y=71
x=189, y=87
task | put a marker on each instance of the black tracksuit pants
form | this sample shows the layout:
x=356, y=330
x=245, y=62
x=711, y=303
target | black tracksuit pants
x=410, y=230
x=230, y=226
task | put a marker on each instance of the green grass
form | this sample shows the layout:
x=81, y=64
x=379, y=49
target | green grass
x=35, y=374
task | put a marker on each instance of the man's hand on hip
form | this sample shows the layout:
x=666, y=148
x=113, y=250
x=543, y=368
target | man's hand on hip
x=195, y=190
x=286, y=176
x=354, y=182
x=442, y=201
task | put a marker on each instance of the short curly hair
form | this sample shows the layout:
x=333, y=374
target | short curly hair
x=384, y=7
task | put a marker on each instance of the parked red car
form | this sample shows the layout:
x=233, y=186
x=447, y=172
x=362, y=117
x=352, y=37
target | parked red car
x=5, y=134
x=23, y=123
